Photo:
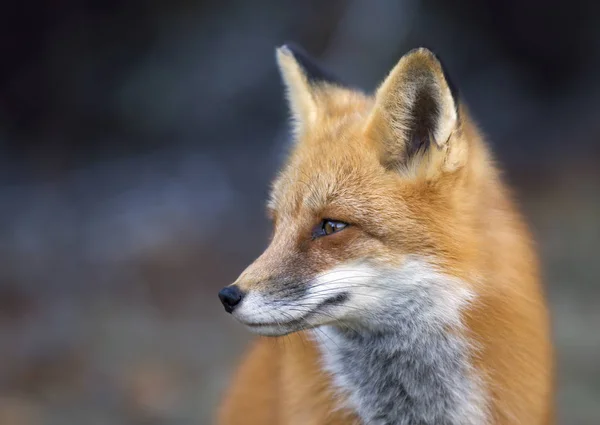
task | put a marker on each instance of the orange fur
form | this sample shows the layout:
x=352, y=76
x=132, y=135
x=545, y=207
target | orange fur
x=449, y=206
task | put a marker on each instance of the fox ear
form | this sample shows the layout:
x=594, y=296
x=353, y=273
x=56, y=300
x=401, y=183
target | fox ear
x=303, y=79
x=415, y=117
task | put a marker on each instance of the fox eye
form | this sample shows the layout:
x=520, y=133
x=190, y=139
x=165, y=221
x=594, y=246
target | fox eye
x=328, y=227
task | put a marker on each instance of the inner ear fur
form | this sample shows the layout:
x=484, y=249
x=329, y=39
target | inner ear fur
x=415, y=119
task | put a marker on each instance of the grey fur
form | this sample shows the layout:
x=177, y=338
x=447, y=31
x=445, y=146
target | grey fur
x=401, y=365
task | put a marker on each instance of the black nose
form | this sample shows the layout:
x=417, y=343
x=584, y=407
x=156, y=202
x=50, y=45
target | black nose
x=230, y=296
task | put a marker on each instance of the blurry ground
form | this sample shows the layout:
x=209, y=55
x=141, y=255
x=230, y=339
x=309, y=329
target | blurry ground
x=136, y=148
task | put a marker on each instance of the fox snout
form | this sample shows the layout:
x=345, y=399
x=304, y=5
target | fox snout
x=230, y=297
x=258, y=278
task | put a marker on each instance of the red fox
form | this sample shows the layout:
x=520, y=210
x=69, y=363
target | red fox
x=399, y=270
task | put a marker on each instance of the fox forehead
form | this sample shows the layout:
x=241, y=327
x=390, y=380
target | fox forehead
x=332, y=166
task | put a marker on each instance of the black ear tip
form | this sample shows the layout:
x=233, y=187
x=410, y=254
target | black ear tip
x=289, y=47
x=284, y=48
x=314, y=71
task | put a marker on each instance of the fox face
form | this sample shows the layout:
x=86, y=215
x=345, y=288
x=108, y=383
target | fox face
x=367, y=212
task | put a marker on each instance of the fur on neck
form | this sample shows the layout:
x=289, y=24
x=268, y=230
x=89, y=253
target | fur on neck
x=409, y=363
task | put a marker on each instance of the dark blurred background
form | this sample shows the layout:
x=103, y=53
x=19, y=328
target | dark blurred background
x=137, y=142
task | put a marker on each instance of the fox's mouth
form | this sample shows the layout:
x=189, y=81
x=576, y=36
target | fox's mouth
x=282, y=327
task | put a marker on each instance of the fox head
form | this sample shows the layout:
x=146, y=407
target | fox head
x=371, y=212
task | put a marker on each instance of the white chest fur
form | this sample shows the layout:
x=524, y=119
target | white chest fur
x=411, y=367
